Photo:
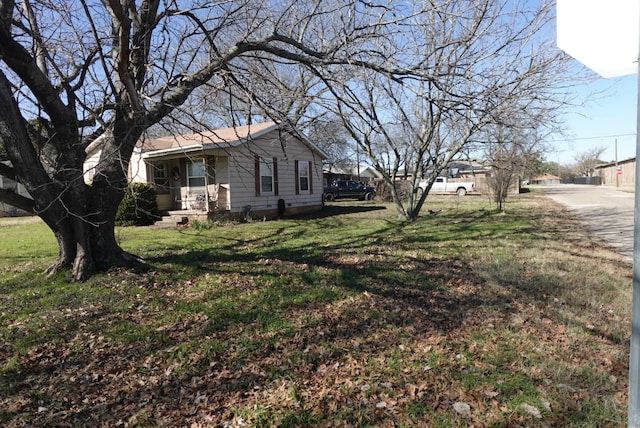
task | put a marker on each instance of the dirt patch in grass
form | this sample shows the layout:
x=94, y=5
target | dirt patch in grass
x=464, y=318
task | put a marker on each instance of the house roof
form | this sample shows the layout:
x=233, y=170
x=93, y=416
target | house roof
x=219, y=138
x=226, y=137
x=462, y=167
x=609, y=164
x=365, y=170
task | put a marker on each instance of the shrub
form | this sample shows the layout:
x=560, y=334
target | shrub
x=139, y=206
x=383, y=191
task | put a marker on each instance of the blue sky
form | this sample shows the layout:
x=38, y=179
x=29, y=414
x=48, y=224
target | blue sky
x=605, y=38
x=609, y=114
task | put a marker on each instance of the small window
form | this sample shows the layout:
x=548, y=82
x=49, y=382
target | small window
x=266, y=177
x=303, y=176
x=195, y=174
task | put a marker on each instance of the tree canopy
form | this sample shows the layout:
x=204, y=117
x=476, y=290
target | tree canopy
x=409, y=82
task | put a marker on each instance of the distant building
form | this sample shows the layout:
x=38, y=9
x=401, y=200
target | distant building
x=456, y=169
x=467, y=169
x=364, y=173
x=546, y=179
x=621, y=173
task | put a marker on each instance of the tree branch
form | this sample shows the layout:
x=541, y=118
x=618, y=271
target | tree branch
x=12, y=198
x=7, y=171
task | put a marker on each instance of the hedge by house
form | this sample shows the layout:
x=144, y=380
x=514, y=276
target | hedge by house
x=139, y=206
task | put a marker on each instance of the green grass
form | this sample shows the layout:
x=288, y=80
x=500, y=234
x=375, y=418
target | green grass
x=353, y=318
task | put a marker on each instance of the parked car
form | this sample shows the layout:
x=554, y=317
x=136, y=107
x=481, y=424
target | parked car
x=349, y=189
x=442, y=185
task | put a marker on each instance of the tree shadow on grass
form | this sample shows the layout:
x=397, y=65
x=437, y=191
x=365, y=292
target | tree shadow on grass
x=337, y=209
x=250, y=329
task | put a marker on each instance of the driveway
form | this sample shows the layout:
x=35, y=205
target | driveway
x=607, y=212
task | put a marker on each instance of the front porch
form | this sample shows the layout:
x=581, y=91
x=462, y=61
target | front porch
x=173, y=218
x=184, y=205
x=205, y=198
x=212, y=197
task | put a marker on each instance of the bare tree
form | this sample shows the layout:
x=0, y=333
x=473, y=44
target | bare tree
x=505, y=158
x=331, y=137
x=412, y=83
x=587, y=161
x=72, y=72
x=512, y=153
x=484, y=63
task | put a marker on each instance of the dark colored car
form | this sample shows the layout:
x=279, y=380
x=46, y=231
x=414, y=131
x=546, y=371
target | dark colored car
x=349, y=189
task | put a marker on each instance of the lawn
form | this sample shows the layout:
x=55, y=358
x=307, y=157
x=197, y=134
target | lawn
x=466, y=317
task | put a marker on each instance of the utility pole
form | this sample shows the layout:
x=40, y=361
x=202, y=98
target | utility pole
x=617, y=174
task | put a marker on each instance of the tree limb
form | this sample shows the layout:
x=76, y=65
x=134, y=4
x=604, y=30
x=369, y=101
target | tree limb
x=7, y=171
x=12, y=198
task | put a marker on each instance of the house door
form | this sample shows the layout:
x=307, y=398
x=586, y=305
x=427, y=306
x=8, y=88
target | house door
x=162, y=183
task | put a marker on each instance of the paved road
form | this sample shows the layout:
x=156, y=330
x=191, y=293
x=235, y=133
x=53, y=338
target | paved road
x=606, y=211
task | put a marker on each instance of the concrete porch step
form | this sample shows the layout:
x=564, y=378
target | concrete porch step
x=186, y=217
x=181, y=218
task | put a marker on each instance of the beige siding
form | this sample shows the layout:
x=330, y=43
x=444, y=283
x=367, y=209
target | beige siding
x=242, y=183
x=137, y=168
x=222, y=180
x=137, y=172
x=90, y=164
x=232, y=175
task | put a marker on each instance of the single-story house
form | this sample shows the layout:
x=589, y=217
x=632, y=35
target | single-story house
x=546, y=178
x=259, y=170
x=467, y=169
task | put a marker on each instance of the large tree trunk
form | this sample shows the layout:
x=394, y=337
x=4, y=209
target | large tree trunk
x=107, y=253
x=85, y=249
x=85, y=232
x=81, y=217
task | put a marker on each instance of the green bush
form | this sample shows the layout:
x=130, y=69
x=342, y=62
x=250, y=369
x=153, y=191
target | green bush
x=139, y=206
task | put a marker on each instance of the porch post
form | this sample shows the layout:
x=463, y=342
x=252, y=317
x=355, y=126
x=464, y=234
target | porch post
x=206, y=182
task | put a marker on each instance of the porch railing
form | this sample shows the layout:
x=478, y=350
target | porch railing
x=197, y=201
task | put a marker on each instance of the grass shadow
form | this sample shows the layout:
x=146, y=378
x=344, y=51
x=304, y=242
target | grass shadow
x=317, y=320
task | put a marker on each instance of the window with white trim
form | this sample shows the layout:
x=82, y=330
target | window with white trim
x=303, y=177
x=266, y=176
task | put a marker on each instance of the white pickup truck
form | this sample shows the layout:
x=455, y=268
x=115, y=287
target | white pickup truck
x=442, y=185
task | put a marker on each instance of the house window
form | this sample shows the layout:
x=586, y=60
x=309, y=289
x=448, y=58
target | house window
x=161, y=177
x=266, y=176
x=303, y=184
x=195, y=174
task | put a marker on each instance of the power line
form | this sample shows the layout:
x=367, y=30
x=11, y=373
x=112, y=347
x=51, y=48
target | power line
x=592, y=138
